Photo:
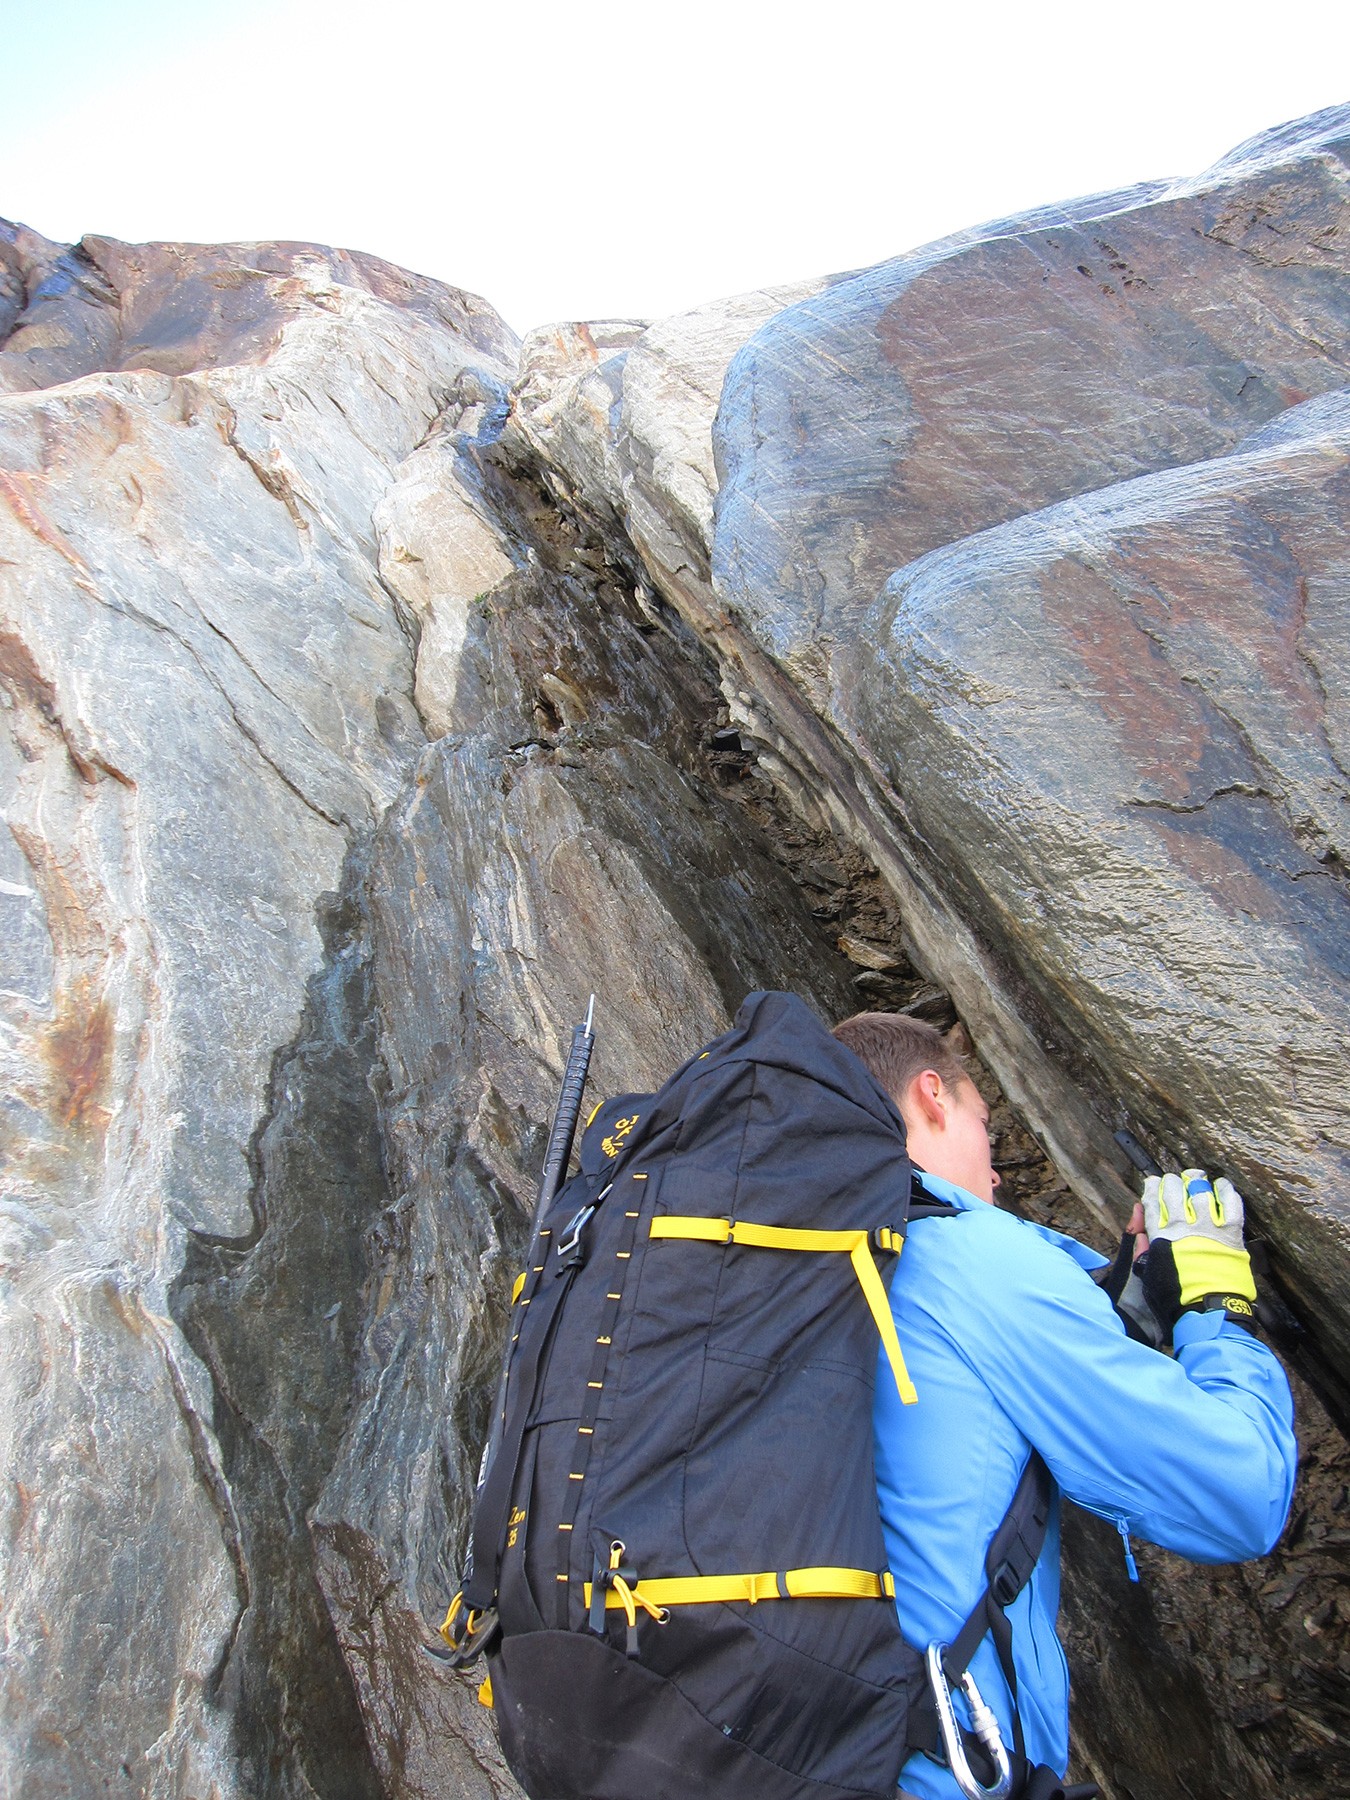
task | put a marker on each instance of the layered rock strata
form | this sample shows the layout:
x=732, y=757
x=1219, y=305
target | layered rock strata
x=208, y=709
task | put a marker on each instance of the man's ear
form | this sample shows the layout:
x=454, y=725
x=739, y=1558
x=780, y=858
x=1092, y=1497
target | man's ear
x=927, y=1096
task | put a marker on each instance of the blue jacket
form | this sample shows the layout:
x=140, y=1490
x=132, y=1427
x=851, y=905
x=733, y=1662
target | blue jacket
x=1010, y=1346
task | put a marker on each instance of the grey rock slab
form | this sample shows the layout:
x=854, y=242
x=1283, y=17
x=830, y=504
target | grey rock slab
x=119, y=1588
x=1014, y=366
x=207, y=702
x=441, y=555
x=58, y=313
x=565, y=403
x=673, y=382
x=621, y=415
x=102, y=304
x=1326, y=415
x=1120, y=731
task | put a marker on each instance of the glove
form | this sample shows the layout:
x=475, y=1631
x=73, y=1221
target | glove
x=1121, y=1283
x=1195, y=1258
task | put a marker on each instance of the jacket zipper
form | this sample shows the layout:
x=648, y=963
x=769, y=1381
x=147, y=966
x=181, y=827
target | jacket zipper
x=1122, y=1525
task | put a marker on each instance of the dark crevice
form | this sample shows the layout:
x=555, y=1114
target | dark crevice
x=275, y=1318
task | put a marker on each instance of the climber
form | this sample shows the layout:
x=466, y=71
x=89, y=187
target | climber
x=1015, y=1349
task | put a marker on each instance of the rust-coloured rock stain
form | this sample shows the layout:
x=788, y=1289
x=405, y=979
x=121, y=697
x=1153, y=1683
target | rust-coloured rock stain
x=1154, y=716
x=77, y=1049
x=20, y=675
x=18, y=489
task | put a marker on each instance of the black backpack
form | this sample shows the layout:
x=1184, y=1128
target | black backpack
x=677, y=1567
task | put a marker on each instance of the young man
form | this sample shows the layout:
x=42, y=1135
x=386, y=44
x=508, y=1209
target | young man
x=1013, y=1347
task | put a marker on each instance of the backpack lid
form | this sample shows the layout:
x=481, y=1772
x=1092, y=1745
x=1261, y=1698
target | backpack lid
x=610, y=1129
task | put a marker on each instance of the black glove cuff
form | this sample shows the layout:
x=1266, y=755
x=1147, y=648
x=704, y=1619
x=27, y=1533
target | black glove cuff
x=1157, y=1272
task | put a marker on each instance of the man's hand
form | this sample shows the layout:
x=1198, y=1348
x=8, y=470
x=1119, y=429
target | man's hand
x=1195, y=1255
x=1120, y=1280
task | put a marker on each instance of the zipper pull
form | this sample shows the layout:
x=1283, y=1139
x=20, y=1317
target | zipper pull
x=1131, y=1566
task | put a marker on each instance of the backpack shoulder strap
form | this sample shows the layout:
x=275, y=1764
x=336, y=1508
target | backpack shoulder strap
x=923, y=1205
x=1012, y=1555
x=1013, y=1552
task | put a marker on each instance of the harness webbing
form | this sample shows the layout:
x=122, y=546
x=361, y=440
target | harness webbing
x=856, y=1245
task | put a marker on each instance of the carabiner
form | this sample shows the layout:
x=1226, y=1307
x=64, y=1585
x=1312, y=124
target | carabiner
x=467, y=1641
x=983, y=1723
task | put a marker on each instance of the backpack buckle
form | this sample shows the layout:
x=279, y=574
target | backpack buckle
x=466, y=1634
x=569, y=1244
x=620, y=1577
x=984, y=1724
x=1006, y=1583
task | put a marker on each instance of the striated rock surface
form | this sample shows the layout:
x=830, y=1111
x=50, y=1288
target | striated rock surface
x=1135, y=703
x=181, y=308
x=569, y=837
x=1015, y=366
x=208, y=707
x=967, y=635
x=924, y=403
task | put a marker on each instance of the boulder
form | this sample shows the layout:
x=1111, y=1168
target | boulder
x=1017, y=365
x=1121, y=734
x=929, y=417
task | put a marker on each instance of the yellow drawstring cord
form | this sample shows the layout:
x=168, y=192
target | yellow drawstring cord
x=629, y=1598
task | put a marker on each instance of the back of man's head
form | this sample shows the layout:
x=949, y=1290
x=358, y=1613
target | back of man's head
x=894, y=1048
x=946, y=1118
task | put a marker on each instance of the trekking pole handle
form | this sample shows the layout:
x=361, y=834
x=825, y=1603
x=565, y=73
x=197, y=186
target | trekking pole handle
x=564, y=1130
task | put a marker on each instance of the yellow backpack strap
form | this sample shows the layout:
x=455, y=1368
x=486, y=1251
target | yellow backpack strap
x=855, y=1245
x=781, y=1584
x=874, y=1292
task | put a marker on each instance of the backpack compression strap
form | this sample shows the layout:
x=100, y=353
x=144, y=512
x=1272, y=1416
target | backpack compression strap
x=856, y=1245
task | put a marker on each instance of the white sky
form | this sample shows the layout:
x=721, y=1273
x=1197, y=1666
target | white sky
x=591, y=159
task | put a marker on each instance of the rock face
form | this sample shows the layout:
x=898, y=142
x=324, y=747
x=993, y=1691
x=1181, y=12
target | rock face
x=967, y=635
x=208, y=710
x=1177, y=887
x=1166, y=764
x=1010, y=368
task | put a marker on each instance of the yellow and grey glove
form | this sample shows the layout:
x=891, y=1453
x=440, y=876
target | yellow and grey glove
x=1195, y=1258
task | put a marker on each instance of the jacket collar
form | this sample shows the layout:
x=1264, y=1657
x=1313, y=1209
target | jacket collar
x=967, y=1202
